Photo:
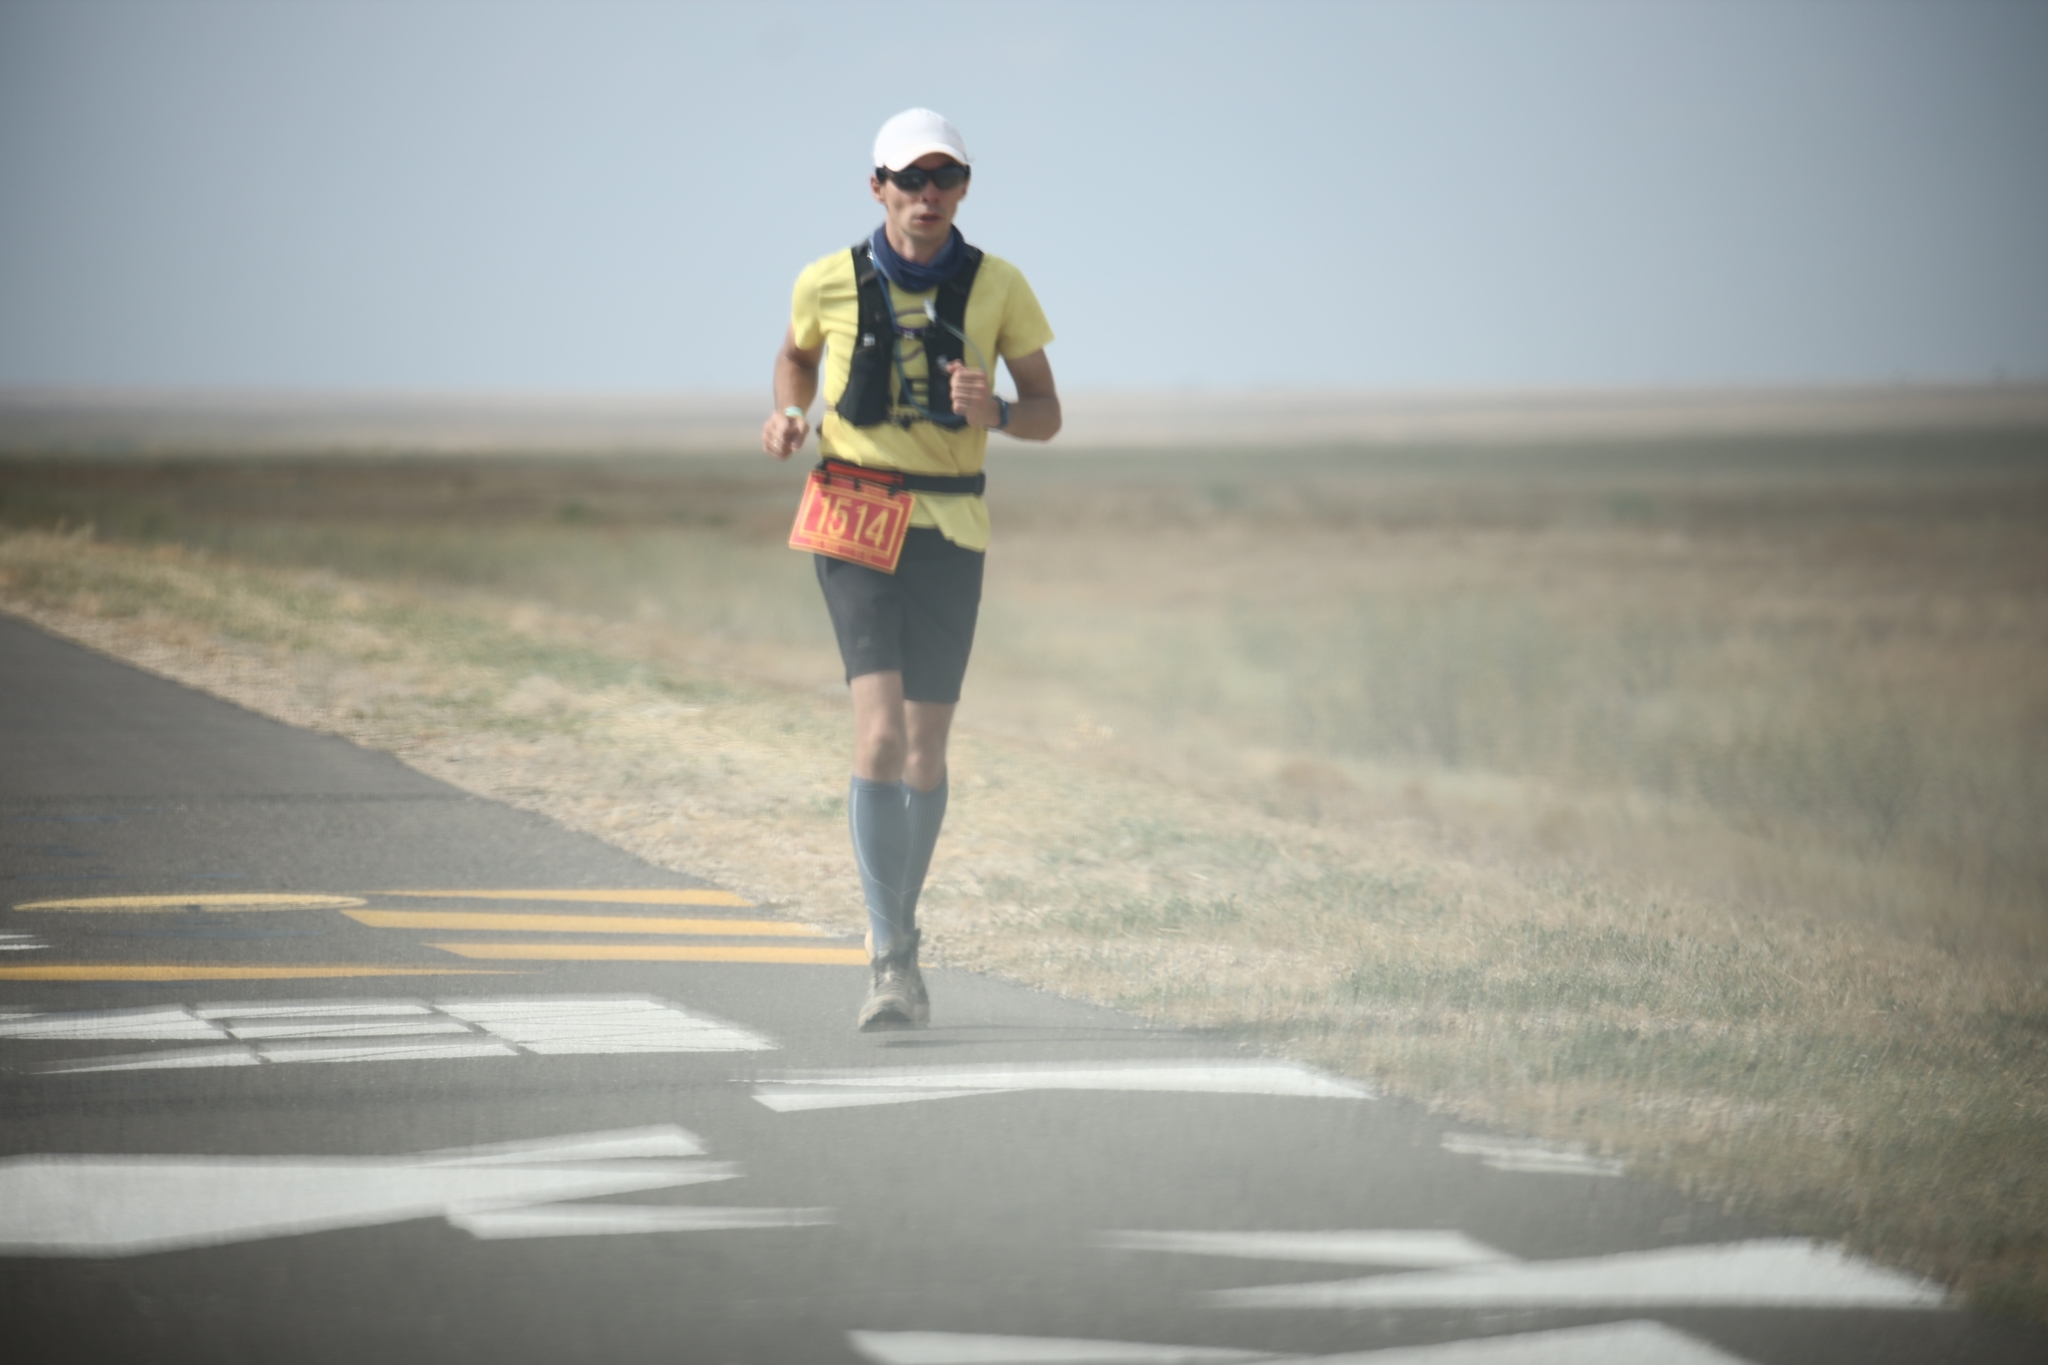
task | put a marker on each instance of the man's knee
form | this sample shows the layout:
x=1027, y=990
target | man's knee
x=880, y=738
x=924, y=762
x=882, y=748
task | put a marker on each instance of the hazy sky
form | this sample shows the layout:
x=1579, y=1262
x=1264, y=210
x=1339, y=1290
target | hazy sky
x=603, y=196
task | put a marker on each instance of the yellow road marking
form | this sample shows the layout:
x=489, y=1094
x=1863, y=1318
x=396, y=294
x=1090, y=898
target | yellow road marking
x=182, y=971
x=200, y=900
x=581, y=924
x=653, y=952
x=645, y=895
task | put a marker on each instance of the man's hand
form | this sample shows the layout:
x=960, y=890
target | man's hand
x=782, y=435
x=971, y=396
x=796, y=385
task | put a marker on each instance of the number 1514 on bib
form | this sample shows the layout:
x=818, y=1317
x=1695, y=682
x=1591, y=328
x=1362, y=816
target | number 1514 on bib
x=858, y=522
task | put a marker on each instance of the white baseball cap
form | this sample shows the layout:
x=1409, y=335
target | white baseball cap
x=915, y=133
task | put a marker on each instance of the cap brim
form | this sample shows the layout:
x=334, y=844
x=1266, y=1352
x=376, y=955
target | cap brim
x=905, y=155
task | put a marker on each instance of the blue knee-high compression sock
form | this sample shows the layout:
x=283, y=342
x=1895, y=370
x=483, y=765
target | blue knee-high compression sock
x=875, y=813
x=925, y=812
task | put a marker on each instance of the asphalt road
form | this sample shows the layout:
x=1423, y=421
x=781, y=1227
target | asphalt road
x=325, y=1060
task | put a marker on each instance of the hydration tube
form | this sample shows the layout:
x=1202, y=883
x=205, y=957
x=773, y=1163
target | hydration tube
x=953, y=421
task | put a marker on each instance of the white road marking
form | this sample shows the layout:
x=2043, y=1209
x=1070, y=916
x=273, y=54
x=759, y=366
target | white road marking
x=21, y=943
x=829, y=1090
x=394, y=1050
x=961, y=1348
x=248, y=1033
x=1408, y=1250
x=1614, y=1343
x=614, y=1220
x=125, y=1206
x=252, y=1030
x=313, y=1009
x=199, y=900
x=795, y=1100
x=1512, y=1154
x=565, y=1027
x=182, y=1059
x=130, y=1205
x=166, y=1024
x=1772, y=1273
x=660, y=1141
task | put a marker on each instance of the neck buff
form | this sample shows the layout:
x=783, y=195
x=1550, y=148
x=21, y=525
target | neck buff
x=912, y=275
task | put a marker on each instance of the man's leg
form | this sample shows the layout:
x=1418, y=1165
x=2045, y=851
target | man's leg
x=905, y=639
x=875, y=809
x=899, y=752
x=895, y=826
x=928, y=724
x=880, y=821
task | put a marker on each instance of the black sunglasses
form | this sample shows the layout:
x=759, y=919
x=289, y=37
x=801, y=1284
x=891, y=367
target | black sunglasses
x=911, y=179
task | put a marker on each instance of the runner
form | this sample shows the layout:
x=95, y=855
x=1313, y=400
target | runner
x=906, y=324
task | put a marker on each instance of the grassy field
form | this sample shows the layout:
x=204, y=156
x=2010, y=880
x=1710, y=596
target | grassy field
x=1682, y=800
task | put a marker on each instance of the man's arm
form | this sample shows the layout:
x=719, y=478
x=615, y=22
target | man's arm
x=796, y=384
x=1035, y=416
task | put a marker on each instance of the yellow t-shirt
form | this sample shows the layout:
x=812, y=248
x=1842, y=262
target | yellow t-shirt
x=1003, y=319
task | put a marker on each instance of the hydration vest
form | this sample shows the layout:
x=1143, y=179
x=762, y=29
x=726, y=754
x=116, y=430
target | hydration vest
x=871, y=377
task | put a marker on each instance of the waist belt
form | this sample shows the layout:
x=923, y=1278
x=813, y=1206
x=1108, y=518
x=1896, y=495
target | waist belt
x=840, y=470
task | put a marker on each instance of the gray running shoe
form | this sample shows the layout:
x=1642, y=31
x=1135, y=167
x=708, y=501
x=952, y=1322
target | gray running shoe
x=897, y=998
x=921, y=1004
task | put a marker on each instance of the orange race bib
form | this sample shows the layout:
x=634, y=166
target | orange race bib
x=858, y=520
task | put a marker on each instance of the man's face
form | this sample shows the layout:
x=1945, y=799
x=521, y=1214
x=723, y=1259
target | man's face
x=926, y=216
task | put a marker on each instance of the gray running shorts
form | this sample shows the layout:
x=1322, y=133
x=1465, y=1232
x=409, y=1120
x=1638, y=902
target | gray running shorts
x=918, y=621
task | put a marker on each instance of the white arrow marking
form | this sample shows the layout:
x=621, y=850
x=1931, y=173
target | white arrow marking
x=830, y=1090
x=613, y=1220
x=1616, y=1343
x=244, y=1034
x=661, y=1142
x=128, y=1205
x=1510, y=1154
x=1776, y=1273
x=794, y=1100
x=1408, y=1250
x=960, y=1348
x=179, y=1059
x=124, y=1206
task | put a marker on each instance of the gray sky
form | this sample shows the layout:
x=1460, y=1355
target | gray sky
x=603, y=196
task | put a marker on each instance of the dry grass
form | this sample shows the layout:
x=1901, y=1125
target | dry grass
x=1682, y=801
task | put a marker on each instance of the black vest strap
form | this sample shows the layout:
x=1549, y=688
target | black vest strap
x=865, y=402
x=841, y=472
x=871, y=373
x=942, y=344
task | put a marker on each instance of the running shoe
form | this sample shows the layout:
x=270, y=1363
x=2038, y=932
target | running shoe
x=897, y=997
x=921, y=1013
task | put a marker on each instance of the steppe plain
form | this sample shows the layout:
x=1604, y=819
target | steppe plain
x=1673, y=787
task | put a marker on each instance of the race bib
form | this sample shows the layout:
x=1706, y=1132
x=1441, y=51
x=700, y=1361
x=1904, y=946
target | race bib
x=852, y=519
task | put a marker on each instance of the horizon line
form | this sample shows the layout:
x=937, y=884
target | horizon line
x=182, y=420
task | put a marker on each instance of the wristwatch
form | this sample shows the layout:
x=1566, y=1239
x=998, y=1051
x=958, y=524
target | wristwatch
x=1003, y=408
